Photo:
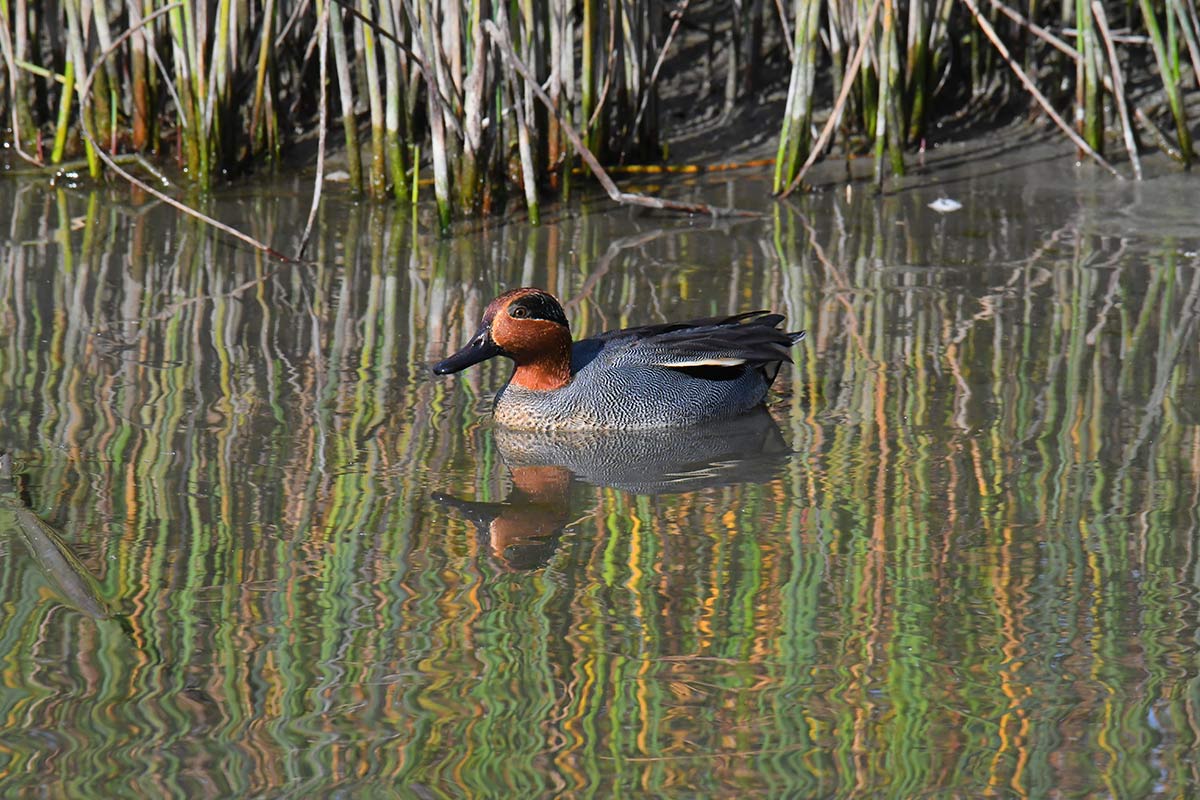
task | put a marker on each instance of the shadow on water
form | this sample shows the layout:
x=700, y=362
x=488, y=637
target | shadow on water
x=958, y=558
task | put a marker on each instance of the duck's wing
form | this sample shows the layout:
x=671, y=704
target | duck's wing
x=650, y=331
x=752, y=338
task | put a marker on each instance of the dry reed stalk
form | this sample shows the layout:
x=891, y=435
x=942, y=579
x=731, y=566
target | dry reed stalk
x=341, y=62
x=474, y=87
x=322, y=123
x=597, y=127
x=1189, y=24
x=794, y=134
x=1118, y=88
x=188, y=126
x=781, y=15
x=587, y=78
x=895, y=107
x=142, y=114
x=888, y=89
x=75, y=45
x=524, y=146
x=20, y=48
x=529, y=33
x=917, y=64
x=1058, y=44
x=647, y=90
x=733, y=60
x=1089, y=111
x=449, y=43
x=479, y=116
x=18, y=105
x=217, y=133
x=107, y=83
x=426, y=53
x=556, y=34
x=868, y=74
x=990, y=33
x=836, y=43
x=939, y=31
x=115, y=165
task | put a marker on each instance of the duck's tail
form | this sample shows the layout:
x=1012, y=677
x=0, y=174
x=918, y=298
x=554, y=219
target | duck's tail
x=771, y=369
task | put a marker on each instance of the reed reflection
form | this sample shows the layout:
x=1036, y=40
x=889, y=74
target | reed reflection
x=61, y=569
x=973, y=570
x=544, y=466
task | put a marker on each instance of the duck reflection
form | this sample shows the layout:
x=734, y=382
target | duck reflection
x=523, y=531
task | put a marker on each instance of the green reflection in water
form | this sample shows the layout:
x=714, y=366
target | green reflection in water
x=971, y=568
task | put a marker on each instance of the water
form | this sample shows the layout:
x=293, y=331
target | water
x=253, y=547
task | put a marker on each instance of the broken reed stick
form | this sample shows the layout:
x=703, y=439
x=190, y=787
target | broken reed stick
x=1075, y=138
x=512, y=61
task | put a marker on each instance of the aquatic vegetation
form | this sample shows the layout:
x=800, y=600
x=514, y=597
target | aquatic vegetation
x=503, y=100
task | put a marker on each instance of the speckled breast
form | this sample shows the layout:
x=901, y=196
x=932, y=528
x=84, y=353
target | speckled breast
x=630, y=398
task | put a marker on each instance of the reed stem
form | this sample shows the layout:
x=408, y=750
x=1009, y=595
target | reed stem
x=1118, y=88
x=431, y=76
x=378, y=171
x=1170, y=78
x=76, y=47
x=1092, y=122
x=394, y=84
x=341, y=61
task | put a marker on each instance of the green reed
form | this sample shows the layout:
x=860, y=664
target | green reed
x=931, y=82
x=222, y=89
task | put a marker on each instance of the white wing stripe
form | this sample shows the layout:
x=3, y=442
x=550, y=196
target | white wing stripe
x=703, y=362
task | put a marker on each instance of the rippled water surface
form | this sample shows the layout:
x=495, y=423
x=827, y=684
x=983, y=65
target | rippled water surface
x=251, y=547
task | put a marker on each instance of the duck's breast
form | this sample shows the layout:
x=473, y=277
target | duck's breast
x=632, y=397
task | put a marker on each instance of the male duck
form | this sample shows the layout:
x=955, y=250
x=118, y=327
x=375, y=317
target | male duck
x=655, y=376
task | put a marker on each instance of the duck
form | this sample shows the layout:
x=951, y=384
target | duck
x=668, y=375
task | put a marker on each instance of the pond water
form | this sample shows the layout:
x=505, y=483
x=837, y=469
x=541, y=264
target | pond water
x=252, y=547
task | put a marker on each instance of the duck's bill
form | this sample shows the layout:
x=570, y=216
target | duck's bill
x=480, y=348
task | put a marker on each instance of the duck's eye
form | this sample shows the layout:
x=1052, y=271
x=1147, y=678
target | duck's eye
x=518, y=313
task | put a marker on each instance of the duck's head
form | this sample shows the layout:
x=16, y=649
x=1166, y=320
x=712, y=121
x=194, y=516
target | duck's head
x=527, y=325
